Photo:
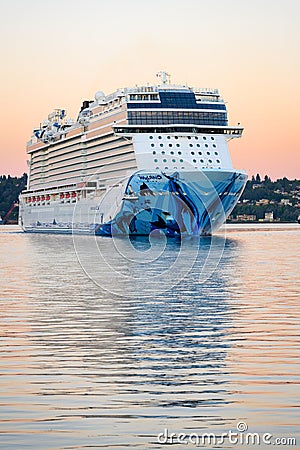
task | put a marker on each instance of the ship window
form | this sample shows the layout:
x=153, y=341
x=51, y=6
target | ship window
x=163, y=152
x=198, y=145
x=210, y=161
x=202, y=160
x=179, y=153
x=191, y=145
x=164, y=160
x=189, y=137
x=194, y=160
x=166, y=167
x=199, y=153
x=170, y=145
x=167, y=117
x=156, y=160
x=172, y=153
x=192, y=153
x=156, y=167
x=204, y=138
x=176, y=137
x=154, y=152
x=159, y=137
x=218, y=161
x=212, y=138
x=173, y=160
x=181, y=160
x=214, y=145
x=206, y=145
x=150, y=137
x=196, y=137
x=208, y=153
x=161, y=145
x=152, y=145
x=216, y=153
x=168, y=137
x=177, y=145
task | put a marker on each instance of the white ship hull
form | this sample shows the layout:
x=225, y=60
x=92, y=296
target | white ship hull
x=139, y=160
x=180, y=203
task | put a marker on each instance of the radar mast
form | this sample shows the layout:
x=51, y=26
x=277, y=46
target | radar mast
x=164, y=77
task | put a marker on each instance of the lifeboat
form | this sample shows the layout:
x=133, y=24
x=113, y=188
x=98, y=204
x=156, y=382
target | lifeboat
x=73, y=194
x=68, y=195
x=47, y=197
x=62, y=196
x=38, y=198
x=33, y=199
x=43, y=198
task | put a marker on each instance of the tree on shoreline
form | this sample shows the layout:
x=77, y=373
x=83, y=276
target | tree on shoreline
x=273, y=192
x=10, y=189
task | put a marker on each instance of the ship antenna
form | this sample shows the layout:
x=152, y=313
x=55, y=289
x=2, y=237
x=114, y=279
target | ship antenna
x=164, y=77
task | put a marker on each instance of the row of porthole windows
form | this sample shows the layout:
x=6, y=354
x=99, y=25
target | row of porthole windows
x=183, y=167
x=191, y=145
x=180, y=153
x=194, y=161
x=189, y=137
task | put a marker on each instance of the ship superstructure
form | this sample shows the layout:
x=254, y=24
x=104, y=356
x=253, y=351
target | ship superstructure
x=140, y=159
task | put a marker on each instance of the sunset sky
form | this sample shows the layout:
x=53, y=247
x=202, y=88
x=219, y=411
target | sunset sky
x=56, y=54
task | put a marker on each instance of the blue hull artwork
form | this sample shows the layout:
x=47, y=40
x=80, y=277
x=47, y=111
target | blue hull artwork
x=191, y=203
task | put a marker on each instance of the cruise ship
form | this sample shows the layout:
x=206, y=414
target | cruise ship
x=143, y=159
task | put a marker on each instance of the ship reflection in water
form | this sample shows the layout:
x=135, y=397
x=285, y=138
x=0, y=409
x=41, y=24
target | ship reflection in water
x=85, y=368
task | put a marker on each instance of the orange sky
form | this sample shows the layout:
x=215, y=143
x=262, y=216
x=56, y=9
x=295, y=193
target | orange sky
x=59, y=53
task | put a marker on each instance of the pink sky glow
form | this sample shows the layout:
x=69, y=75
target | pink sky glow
x=58, y=54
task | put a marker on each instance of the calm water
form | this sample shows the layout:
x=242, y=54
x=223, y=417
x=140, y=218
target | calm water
x=95, y=354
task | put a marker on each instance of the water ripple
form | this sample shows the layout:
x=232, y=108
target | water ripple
x=82, y=368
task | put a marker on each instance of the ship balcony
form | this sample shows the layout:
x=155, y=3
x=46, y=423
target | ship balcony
x=228, y=131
